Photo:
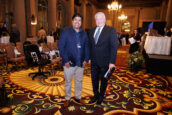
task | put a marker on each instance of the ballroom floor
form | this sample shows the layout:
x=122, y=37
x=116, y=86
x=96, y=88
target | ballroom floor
x=127, y=93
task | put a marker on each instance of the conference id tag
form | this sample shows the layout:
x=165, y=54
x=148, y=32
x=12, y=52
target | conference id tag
x=78, y=46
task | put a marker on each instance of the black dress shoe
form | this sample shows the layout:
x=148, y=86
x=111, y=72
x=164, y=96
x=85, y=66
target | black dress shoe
x=79, y=101
x=92, y=100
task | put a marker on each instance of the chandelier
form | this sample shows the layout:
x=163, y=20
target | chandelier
x=122, y=17
x=114, y=6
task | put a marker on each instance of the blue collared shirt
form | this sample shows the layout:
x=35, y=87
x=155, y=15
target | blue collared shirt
x=79, y=48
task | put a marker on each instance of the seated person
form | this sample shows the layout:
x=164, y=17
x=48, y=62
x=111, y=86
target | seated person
x=167, y=32
x=42, y=46
x=43, y=38
x=41, y=32
x=45, y=50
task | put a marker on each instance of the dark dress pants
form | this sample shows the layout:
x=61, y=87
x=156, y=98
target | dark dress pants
x=97, y=73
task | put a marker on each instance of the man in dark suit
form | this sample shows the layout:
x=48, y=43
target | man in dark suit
x=74, y=50
x=103, y=49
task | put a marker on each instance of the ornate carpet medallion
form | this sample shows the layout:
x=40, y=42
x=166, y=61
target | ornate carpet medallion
x=53, y=85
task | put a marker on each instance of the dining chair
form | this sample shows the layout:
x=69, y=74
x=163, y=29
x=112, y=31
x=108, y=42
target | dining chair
x=11, y=56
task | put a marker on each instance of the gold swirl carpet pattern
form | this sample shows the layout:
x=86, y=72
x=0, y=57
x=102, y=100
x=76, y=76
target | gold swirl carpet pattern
x=128, y=93
x=53, y=85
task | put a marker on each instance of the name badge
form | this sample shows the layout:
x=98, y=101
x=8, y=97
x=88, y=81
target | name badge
x=78, y=46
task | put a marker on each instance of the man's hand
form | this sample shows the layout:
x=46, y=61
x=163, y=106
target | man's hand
x=67, y=64
x=111, y=66
x=89, y=61
x=84, y=63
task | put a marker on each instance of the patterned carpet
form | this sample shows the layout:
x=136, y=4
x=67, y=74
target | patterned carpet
x=128, y=93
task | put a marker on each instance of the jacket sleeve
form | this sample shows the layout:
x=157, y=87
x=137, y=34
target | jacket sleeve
x=87, y=50
x=113, y=45
x=61, y=46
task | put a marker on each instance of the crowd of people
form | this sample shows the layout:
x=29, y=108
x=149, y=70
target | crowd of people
x=138, y=37
x=14, y=34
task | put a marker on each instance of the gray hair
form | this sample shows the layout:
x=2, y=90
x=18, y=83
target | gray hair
x=100, y=13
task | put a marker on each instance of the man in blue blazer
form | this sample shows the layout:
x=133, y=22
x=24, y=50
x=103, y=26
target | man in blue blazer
x=74, y=50
x=103, y=50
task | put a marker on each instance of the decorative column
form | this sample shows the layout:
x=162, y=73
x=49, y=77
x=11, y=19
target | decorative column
x=163, y=10
x=83, y=14
x=93, y=15
x=69, y=12
x=2, y=11
x=52, y=14
x=31, y=12
x=138, y=17
x=19, y=18
x=169, y=14
x=117, y=27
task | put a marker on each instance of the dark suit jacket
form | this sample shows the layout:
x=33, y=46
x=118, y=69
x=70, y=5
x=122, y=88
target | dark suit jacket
x=67, y=46
x=105, y=51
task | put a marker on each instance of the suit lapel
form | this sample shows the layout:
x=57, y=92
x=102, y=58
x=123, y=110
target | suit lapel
x=101, y=34
x=92, y=35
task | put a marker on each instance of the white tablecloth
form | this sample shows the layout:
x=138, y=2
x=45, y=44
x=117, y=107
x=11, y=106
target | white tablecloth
x=4, y=39
x=50, y=39
x=158, y=45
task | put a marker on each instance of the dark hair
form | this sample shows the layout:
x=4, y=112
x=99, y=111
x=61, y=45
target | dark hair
x=40, y=41
x=77, y=15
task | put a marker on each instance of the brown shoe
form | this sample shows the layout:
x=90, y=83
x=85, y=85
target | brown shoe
x=66, y=103
x=80, y=101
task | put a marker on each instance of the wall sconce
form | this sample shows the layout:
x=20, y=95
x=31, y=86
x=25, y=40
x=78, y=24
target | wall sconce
x=33, y=20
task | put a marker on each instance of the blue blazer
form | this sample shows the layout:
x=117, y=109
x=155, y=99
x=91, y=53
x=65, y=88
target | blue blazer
x=67, y=46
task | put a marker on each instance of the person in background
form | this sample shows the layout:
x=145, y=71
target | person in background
x=135, y=46
x=42, y=45
x=167, y=32
x=43, y=38
x=74, y=50
x=41, y=33
x=14, y=34
x=103, y=50
x=121, y=38
x=3, y=29
x=54, y=34
x=171, y=32
x=127, y=37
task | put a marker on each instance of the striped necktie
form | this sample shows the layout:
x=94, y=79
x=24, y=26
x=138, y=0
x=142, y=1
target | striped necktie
x=97, y=36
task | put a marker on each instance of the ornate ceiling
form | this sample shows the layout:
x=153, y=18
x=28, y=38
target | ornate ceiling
x=128, y=3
